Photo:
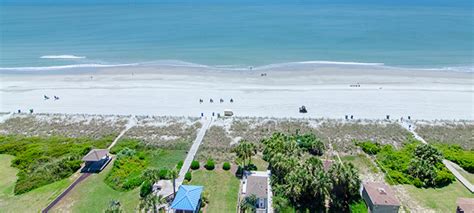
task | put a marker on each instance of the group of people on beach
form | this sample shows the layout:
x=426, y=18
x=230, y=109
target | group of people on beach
x=212, y=100
x=47, y=97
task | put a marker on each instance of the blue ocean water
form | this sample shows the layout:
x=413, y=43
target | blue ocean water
x=236, y=34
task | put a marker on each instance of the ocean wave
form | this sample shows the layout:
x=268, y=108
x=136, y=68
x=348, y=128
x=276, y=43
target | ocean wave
x=62, y=57
x=72, y=66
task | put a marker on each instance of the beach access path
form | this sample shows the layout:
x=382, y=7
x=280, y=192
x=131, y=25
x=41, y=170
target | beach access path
x=192, y=151
x=410, y=126
x=131, y=123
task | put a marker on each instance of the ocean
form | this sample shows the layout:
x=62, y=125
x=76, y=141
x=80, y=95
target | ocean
x=236, y=35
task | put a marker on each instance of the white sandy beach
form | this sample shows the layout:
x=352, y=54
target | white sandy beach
x=324, y=90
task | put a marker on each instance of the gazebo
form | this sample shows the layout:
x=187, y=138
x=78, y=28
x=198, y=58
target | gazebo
x=96, y=160
x=188, y=199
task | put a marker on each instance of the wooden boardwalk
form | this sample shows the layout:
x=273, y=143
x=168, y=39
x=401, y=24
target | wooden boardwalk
x=65, y=192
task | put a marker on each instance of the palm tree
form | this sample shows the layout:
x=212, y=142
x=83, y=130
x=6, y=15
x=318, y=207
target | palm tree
x=245, y=150
x=114, y=207
x=174, y=174
x=151, y=202
x=248, y=204
x=345, y=185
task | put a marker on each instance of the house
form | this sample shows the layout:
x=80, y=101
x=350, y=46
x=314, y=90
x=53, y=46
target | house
x=258, y=184
x=380, y=198
x=96, y=160
x=465, y=205
x=187, y=199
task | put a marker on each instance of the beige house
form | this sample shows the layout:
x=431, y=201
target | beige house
x=258, y=184
x=380, y=198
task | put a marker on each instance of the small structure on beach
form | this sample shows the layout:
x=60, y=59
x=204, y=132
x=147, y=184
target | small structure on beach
x=380, y=198
x=96, y=160
x=258, y=183
x=228, y=112
x=465, y=205
x=188, y=199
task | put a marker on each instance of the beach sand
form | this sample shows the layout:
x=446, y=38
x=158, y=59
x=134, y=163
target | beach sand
x=326, y=91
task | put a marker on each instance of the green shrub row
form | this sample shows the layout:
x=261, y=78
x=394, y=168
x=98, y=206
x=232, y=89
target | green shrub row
x=454, y=153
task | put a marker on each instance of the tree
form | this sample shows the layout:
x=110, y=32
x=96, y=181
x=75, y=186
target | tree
x=114, y=207
x=151, y=175
x=174, y=174
x=151, y=202
x=245, y=150
x=146, y=189
x=345, y=185
x=310, y=143
x=248, y=204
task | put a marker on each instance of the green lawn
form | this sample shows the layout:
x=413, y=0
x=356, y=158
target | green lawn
x=93, y=193
x=32, y=201
x=260, y=163
x=222, y=188
x=441, y=199
x=164, y=158
x=361, y=162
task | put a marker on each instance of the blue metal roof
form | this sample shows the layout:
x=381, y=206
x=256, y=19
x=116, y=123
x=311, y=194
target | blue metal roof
x=187, y=197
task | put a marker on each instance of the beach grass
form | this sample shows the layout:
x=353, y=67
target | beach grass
x=32, y=201
x=94, y=193
x=459, y=133
x=439, y=199
x=221, y=186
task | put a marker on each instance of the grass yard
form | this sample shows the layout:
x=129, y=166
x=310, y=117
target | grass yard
x=165, y=158
x=32, y=201
x=361, y=162
x=95, y=194
x=260, y=163
x=222, y=188
x=439, y=199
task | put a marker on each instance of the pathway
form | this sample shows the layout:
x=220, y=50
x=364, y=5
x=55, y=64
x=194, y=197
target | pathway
x=192, y=152
x=411, y=128
x=65, y=192
x=131, y=123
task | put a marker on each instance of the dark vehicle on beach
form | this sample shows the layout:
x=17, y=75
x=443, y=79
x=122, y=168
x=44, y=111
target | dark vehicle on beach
x=303, y=109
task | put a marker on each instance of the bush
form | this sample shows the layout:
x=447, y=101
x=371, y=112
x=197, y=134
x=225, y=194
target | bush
x=454, y=153
x=369, y=147
x=127, y=171
x=146, y=189
x=210, y=165
x=226, y=166
x=179, y=165
x=164, y=174
x=188, y=176
x=444, y=178
x=195, y=165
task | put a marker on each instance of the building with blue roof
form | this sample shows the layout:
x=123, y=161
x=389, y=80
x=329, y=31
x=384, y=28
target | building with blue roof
x=188, y=199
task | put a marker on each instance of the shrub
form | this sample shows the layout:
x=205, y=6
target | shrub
x=127, y=171
x=226, y=166
x=454, y=153
x=179, y=165
x=369, y=147
x=195, y=165
x=210, y=165
x=188, y=176
x=146, y=189
x=164, y=174
x=444, y=178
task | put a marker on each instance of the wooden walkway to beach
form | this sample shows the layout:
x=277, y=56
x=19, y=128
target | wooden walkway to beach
x=192, y=152
x=450, y=165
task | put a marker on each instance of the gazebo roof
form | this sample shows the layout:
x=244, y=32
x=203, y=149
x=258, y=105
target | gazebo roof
x=187, y=198
x=96, y=155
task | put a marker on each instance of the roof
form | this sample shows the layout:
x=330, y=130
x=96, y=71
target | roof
x=257, y=185
x=466, y=204
x=381, y=194
x=187, y=198
x=96, y=155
